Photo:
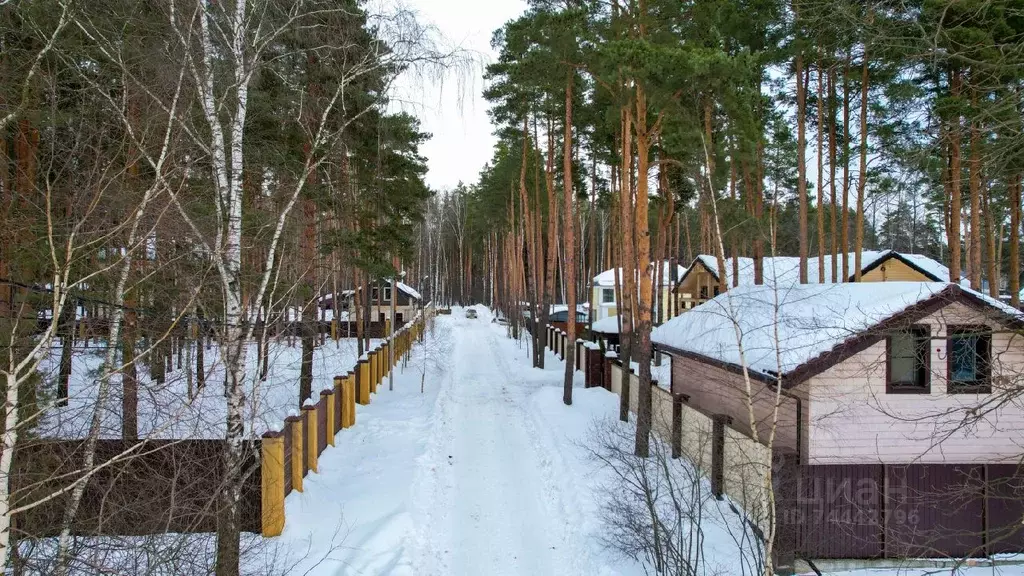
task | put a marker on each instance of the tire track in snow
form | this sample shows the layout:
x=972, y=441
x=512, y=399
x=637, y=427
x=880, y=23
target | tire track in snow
x=489, y=492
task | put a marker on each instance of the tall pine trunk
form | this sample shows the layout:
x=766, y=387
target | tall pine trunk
x=643, y=237
x=570, y=241
x=832, y=171
x=991, y=270
x=801, y=153
x=863, y=174
x=821, y=177
x=1014, y=201
x=955, y=177
x=974, y=169
x=846, y=168
x=628, y=263
x=552, y=247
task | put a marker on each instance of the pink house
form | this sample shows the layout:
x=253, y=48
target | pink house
x=908, y=386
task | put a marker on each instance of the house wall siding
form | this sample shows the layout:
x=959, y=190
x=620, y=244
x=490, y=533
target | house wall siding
x=690, y=287
x=893, y=270
x=854, y=420
x=602, y=311
x=714, y=390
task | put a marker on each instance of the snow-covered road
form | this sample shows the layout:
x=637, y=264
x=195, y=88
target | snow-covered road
x=497, y=506
x=483, y=472
x=465, y=478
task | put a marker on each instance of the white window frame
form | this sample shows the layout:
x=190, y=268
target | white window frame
x=606, y=291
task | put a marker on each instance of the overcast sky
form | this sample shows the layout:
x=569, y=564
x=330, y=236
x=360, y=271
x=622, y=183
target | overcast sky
x=452, y=109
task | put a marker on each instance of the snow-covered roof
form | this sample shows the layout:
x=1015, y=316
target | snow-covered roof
x=409, y=290
x=609, y=325
x=786, y=269
x=807, y=321
x=607, y=278
x=563, y=307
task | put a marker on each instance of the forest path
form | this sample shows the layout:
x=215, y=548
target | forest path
x=493, y=491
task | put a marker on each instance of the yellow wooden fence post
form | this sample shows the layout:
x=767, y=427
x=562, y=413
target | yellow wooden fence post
x=363, y=396
x=295, y=425
x=272, y=478
x=327, y=397
x=310, y=414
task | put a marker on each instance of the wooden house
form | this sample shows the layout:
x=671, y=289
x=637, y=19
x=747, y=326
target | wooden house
x=908, y=392
x=602, y=294
x=408, y=302
x=559, y=317
x=700, y=283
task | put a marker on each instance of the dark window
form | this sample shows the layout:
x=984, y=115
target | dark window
x=703, y=292
x=968, y=354
x=907, y=362
x=399, y=319
x=376, y=293
x=608, y=296
x=716, y=290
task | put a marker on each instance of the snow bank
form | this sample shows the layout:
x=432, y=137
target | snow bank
x=165, y=410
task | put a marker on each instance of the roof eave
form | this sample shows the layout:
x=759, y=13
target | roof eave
x=861, y=341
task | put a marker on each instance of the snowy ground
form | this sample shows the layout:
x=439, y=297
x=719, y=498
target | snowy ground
x=165, y=410
x=483, y=472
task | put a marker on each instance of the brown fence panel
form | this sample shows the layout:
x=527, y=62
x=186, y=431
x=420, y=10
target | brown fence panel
x=593, y=370
x=305, y=444
x=164, y=486
x=831, y=511
x=338, y=406
x=934, y=510
x=287, y=433
x=321, y=425
x=1005, y=508
x=904, y=511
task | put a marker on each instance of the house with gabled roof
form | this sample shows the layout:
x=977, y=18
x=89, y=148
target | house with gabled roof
x=867, y=363
x=603, y=302
x=408, y=301
x=911, y=393
x=701, y=279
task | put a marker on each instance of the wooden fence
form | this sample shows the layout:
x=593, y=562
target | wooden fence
x=292, y=452
x=148, y=487
x=159, y=486
x=900, y=511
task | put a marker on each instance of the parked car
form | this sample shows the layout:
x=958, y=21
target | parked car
x=471, y=314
